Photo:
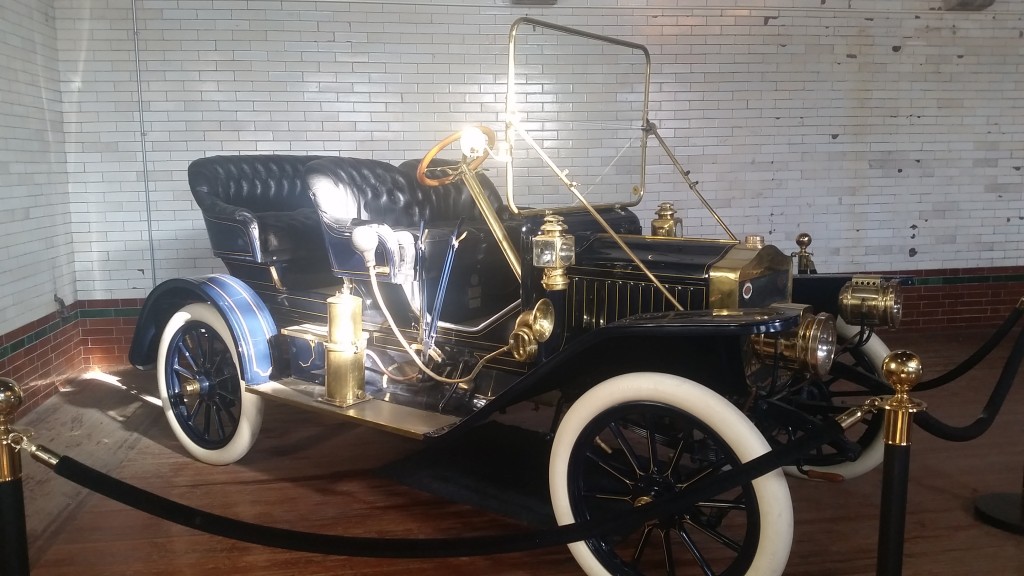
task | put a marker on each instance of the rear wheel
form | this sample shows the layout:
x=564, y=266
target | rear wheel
x=201, y=390
x=639, y=437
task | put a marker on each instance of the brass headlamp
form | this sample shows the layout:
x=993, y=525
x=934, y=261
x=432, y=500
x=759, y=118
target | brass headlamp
x=532, y=327
x=871, y=301
x=810, y=347
x=554, y=250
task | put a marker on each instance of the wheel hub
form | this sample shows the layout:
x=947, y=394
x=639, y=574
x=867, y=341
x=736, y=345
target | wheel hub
x=642, y=500
x=191, y=387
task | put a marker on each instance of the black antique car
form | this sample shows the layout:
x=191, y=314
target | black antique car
x=416, y=299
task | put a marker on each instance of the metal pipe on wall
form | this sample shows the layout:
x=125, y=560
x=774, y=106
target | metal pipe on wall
x=142, y=146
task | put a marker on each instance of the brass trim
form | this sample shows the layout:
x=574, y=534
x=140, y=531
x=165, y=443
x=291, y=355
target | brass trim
x=492, y=219
x=276, y=277
x=743, y=263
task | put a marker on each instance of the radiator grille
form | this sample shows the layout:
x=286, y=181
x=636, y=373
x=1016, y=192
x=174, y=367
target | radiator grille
x=595, y=302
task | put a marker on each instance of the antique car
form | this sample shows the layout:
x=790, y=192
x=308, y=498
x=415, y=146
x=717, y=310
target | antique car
x=415, y=298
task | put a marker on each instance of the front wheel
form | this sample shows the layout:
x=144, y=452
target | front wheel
x=840, y=396
x=201, y=390
x=638, y=437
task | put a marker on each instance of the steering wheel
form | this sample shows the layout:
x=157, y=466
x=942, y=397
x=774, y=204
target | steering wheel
x=421, y=170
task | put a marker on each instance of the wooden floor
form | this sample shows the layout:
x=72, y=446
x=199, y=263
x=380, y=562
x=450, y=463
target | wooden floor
x=317, y=475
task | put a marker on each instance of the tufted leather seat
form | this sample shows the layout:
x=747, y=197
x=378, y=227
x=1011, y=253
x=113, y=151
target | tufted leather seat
x=345, y=189
x=257, y=208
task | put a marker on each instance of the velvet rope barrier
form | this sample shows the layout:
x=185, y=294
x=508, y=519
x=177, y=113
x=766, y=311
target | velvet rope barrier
x=980, y=354
x=875, y=385
x=368, y=547
x=981, y=424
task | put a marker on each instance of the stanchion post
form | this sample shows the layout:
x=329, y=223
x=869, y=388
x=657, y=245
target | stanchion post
x=13, y=538
x=902, y=370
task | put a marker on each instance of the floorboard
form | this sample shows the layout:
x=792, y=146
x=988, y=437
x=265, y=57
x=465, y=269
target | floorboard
x=310, y=473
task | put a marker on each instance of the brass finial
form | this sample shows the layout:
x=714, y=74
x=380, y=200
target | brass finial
x=804, y=262
x=803, y=241
x=902, y=369
x=10, y=400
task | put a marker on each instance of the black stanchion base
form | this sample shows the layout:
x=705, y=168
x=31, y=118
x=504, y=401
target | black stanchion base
x=1002, y=510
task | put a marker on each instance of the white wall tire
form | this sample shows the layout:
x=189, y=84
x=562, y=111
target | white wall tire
x=674, y=404
x=871, y=440
x=203, y=396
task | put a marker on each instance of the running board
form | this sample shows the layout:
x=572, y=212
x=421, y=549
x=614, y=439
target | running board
x=388, y=416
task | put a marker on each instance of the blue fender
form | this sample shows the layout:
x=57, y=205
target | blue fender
x=245, y=314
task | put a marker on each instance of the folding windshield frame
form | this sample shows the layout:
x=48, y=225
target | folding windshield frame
x=512, y=127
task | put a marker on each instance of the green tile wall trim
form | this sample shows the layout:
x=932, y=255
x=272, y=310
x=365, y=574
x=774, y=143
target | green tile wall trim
x=979, y=279
x=81, y=314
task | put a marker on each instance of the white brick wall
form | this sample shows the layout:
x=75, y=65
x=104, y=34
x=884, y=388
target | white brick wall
x=36, y=260
x=883, y=128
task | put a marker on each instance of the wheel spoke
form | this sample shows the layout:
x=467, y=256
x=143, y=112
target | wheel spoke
x=224, y=385
x=605, y=496
x=608, y=467
x=194, y=412
x=226, y=410
x=666, y=544
x=183, y=350
x=717, y=536
x=713, y=468
x=626, y=448
x=721, y=505
x=207, y=417
x=642, y=545
x=652, y=444
x=183, y=372
x=674, y=461
x=208, y=351
x=195, y=345
x=218, y=414
x=691, y=546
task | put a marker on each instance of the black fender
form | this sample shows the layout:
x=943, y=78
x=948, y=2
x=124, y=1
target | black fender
x=685, y=343
x=245, y=314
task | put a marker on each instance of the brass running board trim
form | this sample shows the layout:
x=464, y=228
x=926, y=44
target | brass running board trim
x=401, y=420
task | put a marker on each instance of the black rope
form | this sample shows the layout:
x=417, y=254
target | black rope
x=936, y=427
x=968, y=364
x=368, y=547
x=875, y=385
